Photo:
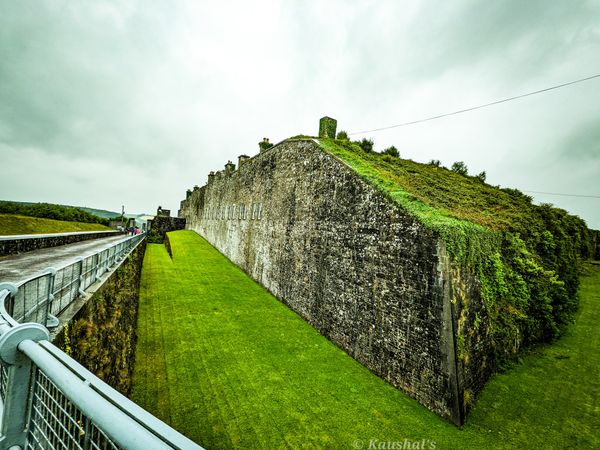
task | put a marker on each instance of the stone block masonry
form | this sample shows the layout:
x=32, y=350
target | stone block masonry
x=13, y=245
x=350, y=261
x=102, y=334
x=163, y=223
x=327, y=127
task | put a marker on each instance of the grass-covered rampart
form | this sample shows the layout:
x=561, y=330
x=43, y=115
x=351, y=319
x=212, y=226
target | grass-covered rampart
x=527, y=257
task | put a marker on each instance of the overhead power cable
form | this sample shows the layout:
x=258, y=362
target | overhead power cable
x=439, y=116
x=564, y=195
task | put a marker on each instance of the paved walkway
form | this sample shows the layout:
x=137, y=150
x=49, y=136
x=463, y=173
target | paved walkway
x=10, y=237
x=15, y=268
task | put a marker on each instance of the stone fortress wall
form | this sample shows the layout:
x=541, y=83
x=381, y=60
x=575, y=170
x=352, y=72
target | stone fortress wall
x=351, y=262
x=163, y=223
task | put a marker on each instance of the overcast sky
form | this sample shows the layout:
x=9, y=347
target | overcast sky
x=112, y=102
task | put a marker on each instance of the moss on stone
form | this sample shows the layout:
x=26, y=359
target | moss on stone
x=525, y=256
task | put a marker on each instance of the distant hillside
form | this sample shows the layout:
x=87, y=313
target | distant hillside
x=108, y=214
x=51, y=211
x=99, y=212
x=11, y=224
x=102, y=213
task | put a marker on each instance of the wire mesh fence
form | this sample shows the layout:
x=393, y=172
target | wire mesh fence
x=67, y=283
x=30, y=303
x=56, y=423
x=3, y=381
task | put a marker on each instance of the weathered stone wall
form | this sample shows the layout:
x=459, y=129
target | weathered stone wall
x=161, y=225
x=19, y=244
x=102, y=335
x=350, y=261
x=471, y=324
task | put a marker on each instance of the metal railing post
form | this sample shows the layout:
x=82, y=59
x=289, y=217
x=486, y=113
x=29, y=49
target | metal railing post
x=51, y=321
x=95, y=263
x=80, y=282
x=107, y=264
x=17, y=398
x=12, y=289
x=112, y=250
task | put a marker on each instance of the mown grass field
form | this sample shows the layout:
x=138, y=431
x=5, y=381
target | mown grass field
x=14, y=224
x=224, y=362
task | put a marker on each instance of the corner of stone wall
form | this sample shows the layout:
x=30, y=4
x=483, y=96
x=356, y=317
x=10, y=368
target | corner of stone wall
x=455, y=398
x=161, y=225
x=466, y=329
x=102, y=336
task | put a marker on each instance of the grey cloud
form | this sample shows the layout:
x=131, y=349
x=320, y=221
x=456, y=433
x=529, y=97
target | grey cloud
x=69, y=77
x=521, y=35
x=582, y=145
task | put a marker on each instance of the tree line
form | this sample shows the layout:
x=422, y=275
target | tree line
x=51, y=211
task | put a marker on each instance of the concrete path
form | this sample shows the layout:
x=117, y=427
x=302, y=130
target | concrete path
x=15, y=268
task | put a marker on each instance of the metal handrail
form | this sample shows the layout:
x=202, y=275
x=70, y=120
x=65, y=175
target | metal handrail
x=47, y=399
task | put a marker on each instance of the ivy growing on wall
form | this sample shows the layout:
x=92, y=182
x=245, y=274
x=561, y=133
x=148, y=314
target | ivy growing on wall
x=525, y=256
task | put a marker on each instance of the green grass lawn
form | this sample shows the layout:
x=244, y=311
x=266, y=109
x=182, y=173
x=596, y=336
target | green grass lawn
x=224, y=362
x=14, y=224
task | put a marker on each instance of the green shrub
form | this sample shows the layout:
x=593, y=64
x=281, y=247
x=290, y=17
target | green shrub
x=459, y=167
x=154, y=237
x=392, y=151
x=264, y=144
x=366, y=144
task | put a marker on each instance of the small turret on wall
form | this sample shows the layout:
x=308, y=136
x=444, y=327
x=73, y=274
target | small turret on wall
x=264, y=145
x=163, y=212
x=162, y=224
x=327, y=127
x=229, y=168
x=242, y=159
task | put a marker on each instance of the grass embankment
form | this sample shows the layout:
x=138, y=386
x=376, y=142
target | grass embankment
x=526, y=257
x=14, y=224
x=433, y=193
x=224, y=362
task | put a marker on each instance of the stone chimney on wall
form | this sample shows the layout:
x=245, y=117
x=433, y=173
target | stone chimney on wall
x=211, y=177
x=229, y=168
x=242, y=159
x=163, y=212
x=188, y=194
x=264, y=144
x=327, y=127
